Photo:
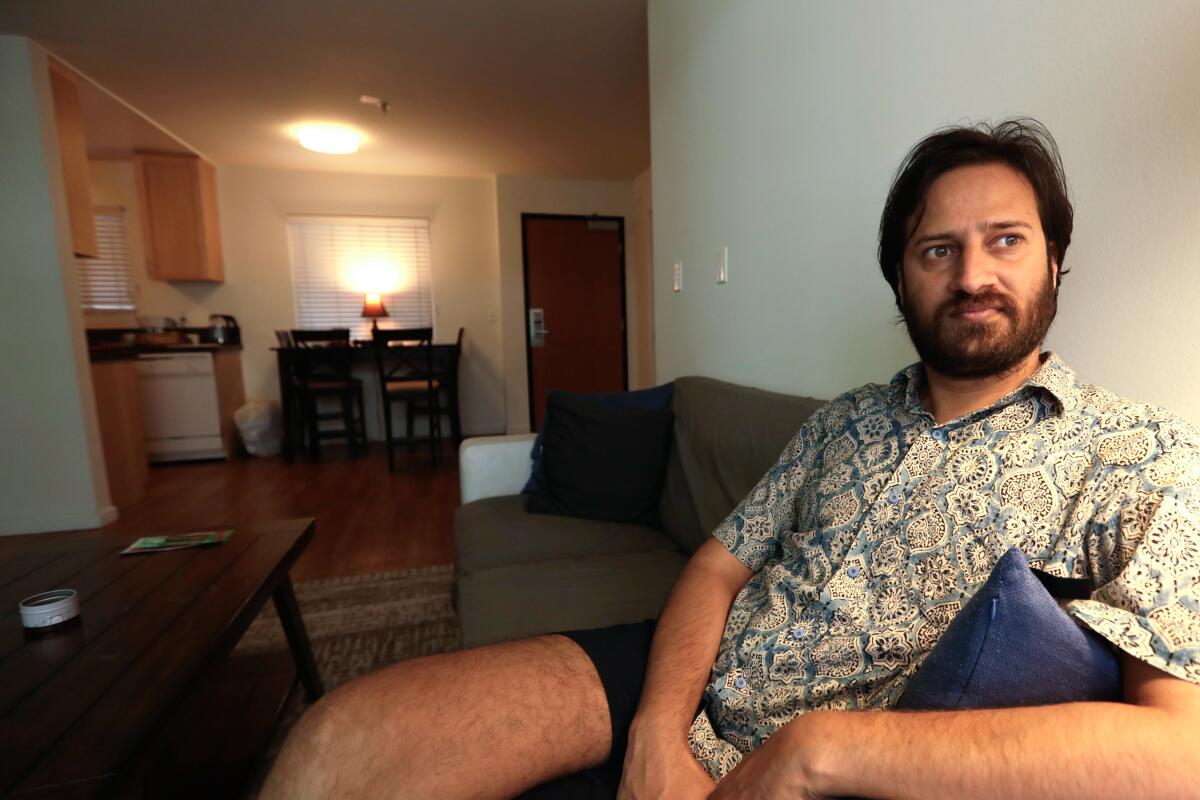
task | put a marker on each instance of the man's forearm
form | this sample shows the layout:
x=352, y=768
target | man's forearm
x=685, y=646
x=1065, y=751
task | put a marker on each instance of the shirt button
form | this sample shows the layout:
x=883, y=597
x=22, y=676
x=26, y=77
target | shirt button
x=894, y=496
x=740, y=683
x=799, y=633
x=939, y=435
x=852, y=572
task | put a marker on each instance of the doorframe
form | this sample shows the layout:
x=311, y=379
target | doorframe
x=525, y=217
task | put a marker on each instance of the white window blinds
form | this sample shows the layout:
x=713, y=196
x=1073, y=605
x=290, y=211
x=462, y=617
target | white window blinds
x=337, y=260
x=105, y=283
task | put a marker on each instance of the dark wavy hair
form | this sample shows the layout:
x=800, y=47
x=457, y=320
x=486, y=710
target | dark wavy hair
x=1023, y=144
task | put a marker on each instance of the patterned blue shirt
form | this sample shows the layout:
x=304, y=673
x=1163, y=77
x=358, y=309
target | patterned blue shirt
x=876, y=525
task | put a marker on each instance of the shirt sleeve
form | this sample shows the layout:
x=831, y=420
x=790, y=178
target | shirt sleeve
x=752, y=531
x=1148, y=546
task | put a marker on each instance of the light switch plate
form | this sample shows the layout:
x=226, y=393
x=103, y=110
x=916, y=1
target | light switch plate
x=677, y=279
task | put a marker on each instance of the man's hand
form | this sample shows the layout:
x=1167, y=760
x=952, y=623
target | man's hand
x=1143, y=747
x=658, y=761
x=658, y=766
x=776, y=769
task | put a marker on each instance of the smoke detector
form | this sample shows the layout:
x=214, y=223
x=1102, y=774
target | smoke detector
x=372, y=100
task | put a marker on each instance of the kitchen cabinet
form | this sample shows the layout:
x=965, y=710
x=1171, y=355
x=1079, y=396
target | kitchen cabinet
x=231, y=394
x=64, y=86
x=178, y=194
x=114, y=384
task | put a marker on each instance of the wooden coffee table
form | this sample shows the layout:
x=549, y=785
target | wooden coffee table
x=79, y=707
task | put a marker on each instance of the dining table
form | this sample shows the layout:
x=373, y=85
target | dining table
x=445, y=365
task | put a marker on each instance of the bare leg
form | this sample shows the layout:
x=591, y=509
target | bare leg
x=484, y=723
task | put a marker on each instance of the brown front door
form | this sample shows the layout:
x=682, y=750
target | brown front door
x=574, y=306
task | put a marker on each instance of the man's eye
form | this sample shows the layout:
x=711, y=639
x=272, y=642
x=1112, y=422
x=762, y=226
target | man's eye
x=938, y=251
x=1009, y=240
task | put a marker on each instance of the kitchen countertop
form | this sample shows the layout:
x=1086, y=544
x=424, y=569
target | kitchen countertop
x=113, y=344
x=114, y=351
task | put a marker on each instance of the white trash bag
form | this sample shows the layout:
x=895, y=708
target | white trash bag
x=260, y=428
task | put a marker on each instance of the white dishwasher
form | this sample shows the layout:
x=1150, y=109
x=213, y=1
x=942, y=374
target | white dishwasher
x=178, y=394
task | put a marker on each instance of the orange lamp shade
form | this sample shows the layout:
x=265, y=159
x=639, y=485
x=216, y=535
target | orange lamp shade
x=373, y=306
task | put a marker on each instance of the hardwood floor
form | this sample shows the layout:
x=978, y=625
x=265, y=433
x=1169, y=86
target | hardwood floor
x=367, y=519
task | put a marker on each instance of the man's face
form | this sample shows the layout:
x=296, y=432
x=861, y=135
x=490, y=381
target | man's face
x=977, y=285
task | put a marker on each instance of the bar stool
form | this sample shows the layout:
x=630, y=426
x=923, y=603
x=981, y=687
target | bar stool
x=321, y=369
x=404, y=358
x=446, y=371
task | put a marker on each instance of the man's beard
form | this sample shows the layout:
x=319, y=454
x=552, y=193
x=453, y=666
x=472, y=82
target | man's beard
x=960, y=348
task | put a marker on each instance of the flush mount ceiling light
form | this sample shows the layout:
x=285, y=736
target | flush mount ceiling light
x=333, y=139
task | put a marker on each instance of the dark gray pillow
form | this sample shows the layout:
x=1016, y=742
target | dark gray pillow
x=654, y=399
x=602, y=462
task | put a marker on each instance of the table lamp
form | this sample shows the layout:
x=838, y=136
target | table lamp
x=373, y=308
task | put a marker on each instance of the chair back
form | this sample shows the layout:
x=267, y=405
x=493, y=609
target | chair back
x=322, y=355
x=403, y=354
x=320, y=337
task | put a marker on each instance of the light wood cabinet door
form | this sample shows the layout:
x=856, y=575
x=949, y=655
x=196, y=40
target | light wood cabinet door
x=121, y=433
x=231, y=395
x=64, y=86
x=178, y=195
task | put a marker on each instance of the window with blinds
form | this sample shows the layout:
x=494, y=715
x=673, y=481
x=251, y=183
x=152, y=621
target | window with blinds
x=105, y=282
x=337, y=260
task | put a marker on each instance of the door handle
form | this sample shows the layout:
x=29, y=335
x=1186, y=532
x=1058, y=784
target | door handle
x=537, y=327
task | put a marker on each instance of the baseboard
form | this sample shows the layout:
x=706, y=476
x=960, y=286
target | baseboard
x=38, y=521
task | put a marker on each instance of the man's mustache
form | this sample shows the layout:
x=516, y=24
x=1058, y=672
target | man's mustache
x=963, y=302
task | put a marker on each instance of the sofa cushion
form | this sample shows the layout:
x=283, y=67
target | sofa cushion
x=657, y=398
x=496, y=531
x=726, y=438
x=519, y=600
x=601, y=462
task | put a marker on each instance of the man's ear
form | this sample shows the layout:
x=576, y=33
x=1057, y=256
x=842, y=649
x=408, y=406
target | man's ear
x=900, y=285
x=1052, y=257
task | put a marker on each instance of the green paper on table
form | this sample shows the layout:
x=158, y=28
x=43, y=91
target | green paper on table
x=180, y=541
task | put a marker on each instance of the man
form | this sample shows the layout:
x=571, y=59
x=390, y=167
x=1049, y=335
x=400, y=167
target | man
x=823, y=591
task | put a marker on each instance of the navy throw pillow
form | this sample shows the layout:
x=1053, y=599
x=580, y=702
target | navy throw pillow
x=656, y=399
x=1011, y=645
x=603, y=463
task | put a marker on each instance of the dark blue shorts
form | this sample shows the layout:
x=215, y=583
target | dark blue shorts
x=620, y=654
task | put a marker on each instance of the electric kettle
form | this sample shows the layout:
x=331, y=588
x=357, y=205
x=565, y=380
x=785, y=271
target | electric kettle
x=223, y=329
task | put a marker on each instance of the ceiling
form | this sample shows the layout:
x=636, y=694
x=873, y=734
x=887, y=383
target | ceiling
x=476, y=87
x=113, y=130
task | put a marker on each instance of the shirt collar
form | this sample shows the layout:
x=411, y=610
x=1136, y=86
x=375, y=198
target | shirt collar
x=1053, y=376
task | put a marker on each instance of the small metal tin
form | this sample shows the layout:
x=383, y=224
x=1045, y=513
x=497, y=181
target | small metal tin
x=48, y=610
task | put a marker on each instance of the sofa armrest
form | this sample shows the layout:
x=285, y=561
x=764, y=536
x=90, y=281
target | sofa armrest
x=494, y=466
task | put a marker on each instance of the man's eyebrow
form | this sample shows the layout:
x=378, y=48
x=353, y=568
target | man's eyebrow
x=983, y=227
x=1008, y=223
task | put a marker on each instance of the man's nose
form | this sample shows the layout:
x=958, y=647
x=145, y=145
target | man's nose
x=976, y=270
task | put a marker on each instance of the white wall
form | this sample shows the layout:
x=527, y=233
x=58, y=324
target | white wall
x=51, y=465
x=641, y=249
x=520, y=195
x=462, y=214
x=776, y=128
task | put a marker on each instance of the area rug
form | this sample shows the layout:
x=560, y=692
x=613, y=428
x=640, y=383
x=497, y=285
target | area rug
x=358, y=624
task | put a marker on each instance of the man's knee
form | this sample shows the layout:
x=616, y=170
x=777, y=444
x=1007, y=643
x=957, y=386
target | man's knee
x=521, y=712
x=329, y=753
